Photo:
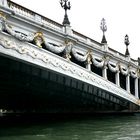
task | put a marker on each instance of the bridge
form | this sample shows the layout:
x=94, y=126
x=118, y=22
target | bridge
x=49, y=67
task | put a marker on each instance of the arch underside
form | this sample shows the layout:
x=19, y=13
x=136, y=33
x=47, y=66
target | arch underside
x=27, y=88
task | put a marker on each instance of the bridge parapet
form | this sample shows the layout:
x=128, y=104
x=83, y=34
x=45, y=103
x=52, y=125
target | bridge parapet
x=18, y=10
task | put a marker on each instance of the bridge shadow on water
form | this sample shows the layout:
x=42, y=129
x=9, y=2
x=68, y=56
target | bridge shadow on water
x=70, y=126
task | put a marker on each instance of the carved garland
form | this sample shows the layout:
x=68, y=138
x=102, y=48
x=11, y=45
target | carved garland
x=21, y=36
x=79, y=57
x=98, y=62
x=133, y=73
x=18, y=34
x=37, y=37
x=113, y=67
x=54, y=48
x=124, y=70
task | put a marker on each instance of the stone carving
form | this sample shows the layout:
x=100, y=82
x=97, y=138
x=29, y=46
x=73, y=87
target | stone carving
x=19, y=35
x=57, y=64
x=39, y=39
x=89, y=57
x=124, y=70
x=98, y=62
x=54, y=48
x=113, y=67
x=106, y=60
x=2, y=21
x=4, y=26
x=79, y=57
x=68, y=49
x=133, y=73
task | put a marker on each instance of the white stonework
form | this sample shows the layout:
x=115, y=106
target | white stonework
x=3, y=3
x=22, y=26
x=22, y=51
x=79, y=57
x=55, y=48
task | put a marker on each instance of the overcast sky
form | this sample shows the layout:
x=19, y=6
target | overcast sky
x=122, y=17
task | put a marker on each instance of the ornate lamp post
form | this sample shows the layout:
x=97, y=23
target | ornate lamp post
x=126, y=41
x=139, y=61
x=104, y=29
x=66, y=5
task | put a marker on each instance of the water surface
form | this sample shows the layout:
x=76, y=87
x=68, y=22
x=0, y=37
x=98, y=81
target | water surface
x=87, y=128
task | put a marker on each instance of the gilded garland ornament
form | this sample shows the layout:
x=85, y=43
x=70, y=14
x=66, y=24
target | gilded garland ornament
x=2, y=15
x=39, y=39
x=68, y=49
x=106, y=60
x=89, y=57
x=2, y=20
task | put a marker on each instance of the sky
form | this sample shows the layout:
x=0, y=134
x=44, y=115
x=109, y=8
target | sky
x=122, y=17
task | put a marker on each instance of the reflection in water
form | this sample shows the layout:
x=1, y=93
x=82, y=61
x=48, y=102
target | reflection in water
x=93, y=128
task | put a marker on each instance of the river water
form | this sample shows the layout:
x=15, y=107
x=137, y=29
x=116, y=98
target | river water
x=80, y=128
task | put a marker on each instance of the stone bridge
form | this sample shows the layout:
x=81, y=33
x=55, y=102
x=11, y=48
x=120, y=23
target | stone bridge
x=46, y=66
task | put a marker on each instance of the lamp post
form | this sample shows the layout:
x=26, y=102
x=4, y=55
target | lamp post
x=139, y=61
x=66, y=5
x=104, y=29
x=126, y=41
